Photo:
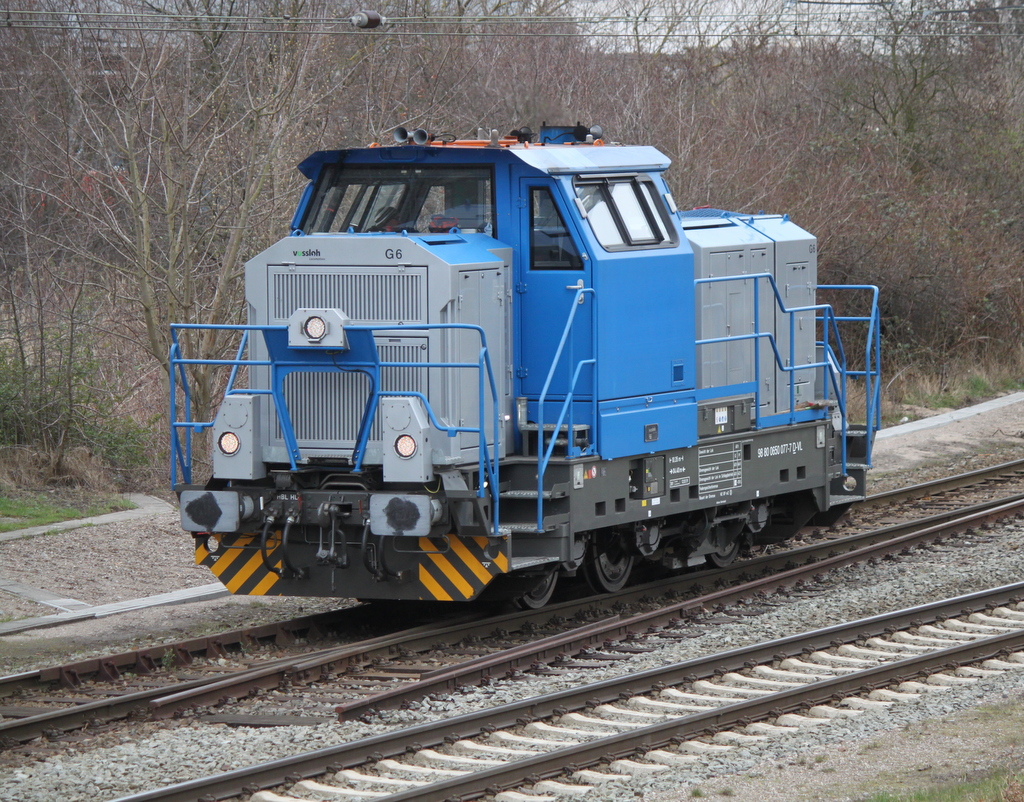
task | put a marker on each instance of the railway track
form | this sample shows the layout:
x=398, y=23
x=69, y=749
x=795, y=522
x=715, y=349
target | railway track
x=401, y=652
x=1006, y=474
x=566, y=742
x=389, y=671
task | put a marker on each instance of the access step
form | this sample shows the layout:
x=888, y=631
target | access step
x=550, y=427
x=523, y=529
x=528, y=495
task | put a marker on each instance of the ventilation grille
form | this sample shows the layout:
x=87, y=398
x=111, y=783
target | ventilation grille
x=326, y=407
x=368, y=298
x=707, y=212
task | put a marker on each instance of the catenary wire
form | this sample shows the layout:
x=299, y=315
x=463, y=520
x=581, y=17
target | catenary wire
x=718, y=24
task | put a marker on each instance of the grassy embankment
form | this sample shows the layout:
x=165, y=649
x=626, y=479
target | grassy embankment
x=27, y=509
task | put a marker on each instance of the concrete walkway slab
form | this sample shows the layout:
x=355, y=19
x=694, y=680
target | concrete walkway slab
x=214, y=590
x=949, y=417
x=41, y=596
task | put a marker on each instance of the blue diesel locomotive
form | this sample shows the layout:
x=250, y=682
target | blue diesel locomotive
x=478, y=366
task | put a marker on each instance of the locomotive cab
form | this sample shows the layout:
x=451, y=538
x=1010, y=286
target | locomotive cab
x=474, y=367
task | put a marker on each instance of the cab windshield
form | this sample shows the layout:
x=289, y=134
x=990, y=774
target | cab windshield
x=393, y=198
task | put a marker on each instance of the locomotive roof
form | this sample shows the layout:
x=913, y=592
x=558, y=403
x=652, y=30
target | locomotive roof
x=555, y=159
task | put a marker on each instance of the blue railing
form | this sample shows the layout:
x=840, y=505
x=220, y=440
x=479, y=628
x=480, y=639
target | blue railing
x=833, y=365
x=872, y=372
x=181, y=453
x=833, y=362
x=362, y=357
x=544, y=454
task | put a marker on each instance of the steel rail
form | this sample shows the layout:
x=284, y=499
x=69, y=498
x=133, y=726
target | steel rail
x=302, y=667
x=120, y=705
x=476, y=671
x=394, y=744
x=314, y=666
x=145, y=660
x=943, y=485
x=626, y=744
x=77, y=716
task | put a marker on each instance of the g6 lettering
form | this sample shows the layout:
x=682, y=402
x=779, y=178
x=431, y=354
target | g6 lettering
x=393, y=253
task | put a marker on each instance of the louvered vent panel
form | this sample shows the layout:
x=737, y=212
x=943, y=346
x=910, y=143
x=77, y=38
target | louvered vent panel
x=367, y=298
x=326, y=407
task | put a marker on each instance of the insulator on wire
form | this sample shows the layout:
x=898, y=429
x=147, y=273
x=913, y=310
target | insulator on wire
x=367, y=19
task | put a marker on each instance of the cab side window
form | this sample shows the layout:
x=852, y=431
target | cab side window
x=625, y=212
x=551, y=246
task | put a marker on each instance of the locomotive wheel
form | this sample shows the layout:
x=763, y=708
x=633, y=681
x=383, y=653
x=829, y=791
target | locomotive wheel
x=608, y=563
x=540, y=594
x=725, y=558
x=728, y=541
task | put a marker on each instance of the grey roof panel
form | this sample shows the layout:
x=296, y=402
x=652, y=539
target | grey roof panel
x=560, y=159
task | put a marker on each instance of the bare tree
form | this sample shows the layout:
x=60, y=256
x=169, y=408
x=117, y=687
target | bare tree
x=180, y=122
x=146, y=158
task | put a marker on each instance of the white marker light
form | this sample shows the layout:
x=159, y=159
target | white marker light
x=229, y=443
x=315, y=328
x=405, y=446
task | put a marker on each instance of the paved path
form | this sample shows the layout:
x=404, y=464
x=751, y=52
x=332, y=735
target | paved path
x=74, y=610
x=949, y=417
x=212, y=591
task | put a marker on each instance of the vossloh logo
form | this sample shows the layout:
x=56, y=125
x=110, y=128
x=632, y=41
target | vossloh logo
x=307, y=254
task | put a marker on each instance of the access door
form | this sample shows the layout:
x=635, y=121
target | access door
x=553, y=268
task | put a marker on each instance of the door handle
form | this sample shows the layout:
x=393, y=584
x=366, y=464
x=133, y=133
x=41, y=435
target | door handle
x=577, y=286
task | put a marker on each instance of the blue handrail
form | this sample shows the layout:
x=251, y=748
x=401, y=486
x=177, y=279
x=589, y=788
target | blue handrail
x=791, y=368
x=544, y=455
x=181, y=455
x=872, y=372
x=834, y=357
x=362, y=357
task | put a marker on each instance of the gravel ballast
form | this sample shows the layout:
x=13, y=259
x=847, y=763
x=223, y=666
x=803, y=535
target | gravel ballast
x=181, y=751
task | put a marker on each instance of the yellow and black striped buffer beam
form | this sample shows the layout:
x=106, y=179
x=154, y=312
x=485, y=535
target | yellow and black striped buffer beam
x=241, y=567
x=450, y=568
x=461, y=570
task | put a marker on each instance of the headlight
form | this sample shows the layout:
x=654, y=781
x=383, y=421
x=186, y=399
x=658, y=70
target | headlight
x=229, y=443
x=314, y=328
x=405, y=446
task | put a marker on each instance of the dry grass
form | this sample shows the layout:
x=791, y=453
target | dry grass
x=949, y=383
x=25, y=467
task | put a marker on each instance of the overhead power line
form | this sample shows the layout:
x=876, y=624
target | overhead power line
x=783, y=25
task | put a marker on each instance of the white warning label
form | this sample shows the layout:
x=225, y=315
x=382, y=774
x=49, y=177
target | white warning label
x=719, y=469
